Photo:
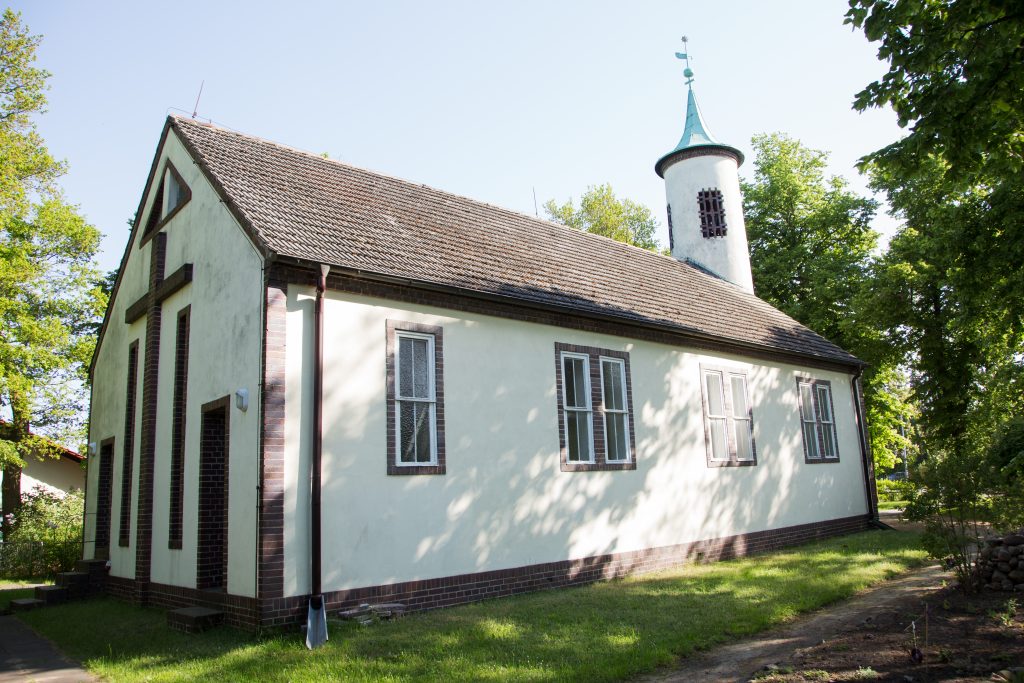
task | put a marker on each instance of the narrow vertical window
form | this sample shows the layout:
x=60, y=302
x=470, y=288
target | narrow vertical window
x=743, y=427
x=415, y=399
x=712, y=213
x=616, y=416
x=579, y=416
x=671, y=239
x=128, y=454
x=716, y=417
x=728, y=418
x=595, y=430
x=416, y=416
x=177, y=490
x=817, y=420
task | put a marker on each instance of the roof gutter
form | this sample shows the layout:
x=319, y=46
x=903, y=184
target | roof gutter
x=687, y=333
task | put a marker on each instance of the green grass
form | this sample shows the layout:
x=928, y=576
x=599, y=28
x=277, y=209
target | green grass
x=892, y=504
x=606, y=631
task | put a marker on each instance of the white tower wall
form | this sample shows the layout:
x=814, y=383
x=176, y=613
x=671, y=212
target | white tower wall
x=728, y=256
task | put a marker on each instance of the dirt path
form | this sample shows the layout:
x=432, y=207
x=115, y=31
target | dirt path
x=741, y=660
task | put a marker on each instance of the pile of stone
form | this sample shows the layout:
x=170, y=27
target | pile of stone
x=1001, y=563
x=366, y=613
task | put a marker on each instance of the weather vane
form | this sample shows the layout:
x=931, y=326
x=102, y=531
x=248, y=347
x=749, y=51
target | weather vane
x=688, y=72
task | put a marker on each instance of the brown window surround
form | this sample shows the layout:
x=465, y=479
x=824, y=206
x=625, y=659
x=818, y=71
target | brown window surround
x=124, y=530
x=723, y=410
x=154, y=221
x=597, y=408
x=177, y=492
x=394, y=328
x=712, y=213
x=813, y=416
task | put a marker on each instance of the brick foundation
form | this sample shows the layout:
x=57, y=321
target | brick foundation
x=250, y=613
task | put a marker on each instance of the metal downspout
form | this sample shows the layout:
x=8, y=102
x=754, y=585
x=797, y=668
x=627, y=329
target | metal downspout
x=316, y=627
x=858, y=401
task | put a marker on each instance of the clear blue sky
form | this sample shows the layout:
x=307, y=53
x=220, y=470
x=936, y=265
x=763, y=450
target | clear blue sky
x=483, y=99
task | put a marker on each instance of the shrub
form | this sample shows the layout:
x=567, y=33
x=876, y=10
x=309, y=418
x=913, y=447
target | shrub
x=46, y=535
x=890, y=490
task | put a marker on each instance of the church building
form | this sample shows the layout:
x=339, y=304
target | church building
x=317, y=382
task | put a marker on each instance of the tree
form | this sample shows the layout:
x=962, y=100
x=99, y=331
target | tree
x=956, y=78
x=49, y=290
x=602, y=213
x=811, y=246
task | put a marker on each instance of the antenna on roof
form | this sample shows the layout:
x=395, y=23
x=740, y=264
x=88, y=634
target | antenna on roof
x=535, y=212
x=195, y=109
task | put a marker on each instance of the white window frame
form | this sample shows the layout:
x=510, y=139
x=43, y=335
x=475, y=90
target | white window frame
x=589, y=410
x=726, y=376
x=399, y=399
x=818, y=424
x=621, y=364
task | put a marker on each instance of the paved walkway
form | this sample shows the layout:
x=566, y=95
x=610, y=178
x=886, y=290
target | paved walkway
x=740, y=661
x=27, y=656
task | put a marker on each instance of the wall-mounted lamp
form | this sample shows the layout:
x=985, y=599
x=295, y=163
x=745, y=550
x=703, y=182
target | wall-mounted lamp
x=92, y=448
x=242, y=399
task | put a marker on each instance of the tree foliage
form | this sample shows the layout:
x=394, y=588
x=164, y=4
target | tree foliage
x=950, y=290
x=811, y=253
x=50, y=292
x=956, y=78
x=601, y=213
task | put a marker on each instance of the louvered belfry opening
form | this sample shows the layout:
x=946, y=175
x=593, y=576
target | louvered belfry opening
x=712, y=213
x=212, y=560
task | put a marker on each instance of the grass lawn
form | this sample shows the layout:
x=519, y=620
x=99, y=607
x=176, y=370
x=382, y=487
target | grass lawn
x=605, y=631
x=892, y=504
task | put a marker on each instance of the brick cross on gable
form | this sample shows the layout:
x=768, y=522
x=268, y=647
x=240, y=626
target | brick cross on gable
x=150, y=305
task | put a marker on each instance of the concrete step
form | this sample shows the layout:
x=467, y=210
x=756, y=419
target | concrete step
x=25, y=604
x=73, y=579
x=52, y=595
x=194, y=619
x=92, y=567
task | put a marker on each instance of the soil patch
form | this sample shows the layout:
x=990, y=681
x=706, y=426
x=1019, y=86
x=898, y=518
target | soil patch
x=959, y=638
x=871, y=637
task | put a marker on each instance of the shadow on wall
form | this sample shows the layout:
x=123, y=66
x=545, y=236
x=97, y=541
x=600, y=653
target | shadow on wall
x=499, y=506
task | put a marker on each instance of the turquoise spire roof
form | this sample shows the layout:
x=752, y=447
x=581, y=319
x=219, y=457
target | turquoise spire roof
x=696, y=131
x=695, y=136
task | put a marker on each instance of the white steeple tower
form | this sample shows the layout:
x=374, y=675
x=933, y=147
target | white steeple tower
x=705, y=208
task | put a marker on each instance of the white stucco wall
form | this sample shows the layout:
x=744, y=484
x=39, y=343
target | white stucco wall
x=53, y=475
x=226, y=297
x=728, y=257
x=504, y=501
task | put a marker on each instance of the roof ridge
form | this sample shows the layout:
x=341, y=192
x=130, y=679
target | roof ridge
x=304, y=206
x=404, y=181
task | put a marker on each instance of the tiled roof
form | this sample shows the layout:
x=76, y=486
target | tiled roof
x=306, y=207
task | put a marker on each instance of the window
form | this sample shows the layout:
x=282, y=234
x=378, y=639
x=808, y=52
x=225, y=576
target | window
x=171, y=195
x=671, y=229
x=817, y=420
x=415, y=399
x=616, y=417
x=712, y=213
x=594, y=406
x=728, y=418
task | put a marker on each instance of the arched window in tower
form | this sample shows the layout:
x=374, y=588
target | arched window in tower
x=712, y=213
